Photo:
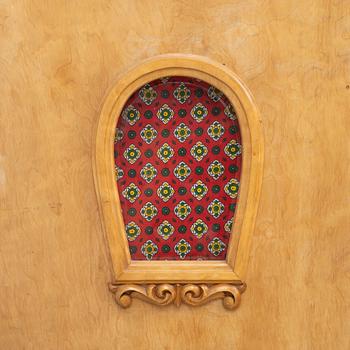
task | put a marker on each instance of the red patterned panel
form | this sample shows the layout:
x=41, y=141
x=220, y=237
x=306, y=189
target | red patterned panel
x=178, y=163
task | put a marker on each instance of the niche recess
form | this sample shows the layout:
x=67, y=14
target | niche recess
x=178, y=167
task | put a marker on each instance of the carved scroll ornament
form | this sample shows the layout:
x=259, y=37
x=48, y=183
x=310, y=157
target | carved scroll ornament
x=190, y=294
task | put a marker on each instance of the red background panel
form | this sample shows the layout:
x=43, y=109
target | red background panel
x=162, y=92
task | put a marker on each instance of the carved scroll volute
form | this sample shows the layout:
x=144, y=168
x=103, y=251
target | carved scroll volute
x=162, y=294
x=197, y=295
x=190, y=294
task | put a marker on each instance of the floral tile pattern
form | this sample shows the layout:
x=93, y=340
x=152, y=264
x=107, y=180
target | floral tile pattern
x=182, y=210
x=165, y=152
x=132, y=231
x=148, y=172
x=216, y=246
x=199, y=112
x=131, y=193
x=216, y=208
x=165, y=191
x=132, y=154
x=199, y=228
x=147, y=94
x=214, y=93
x=131, y=114
x=199, y=151
x=148, y=133
x=216, y=130
x=165, y=113
x=119, y=173
x=166, y=229
x=199, y=190
x=182, y=132
x=182, y=248
x=148, y=249
x=182, y=93
x=178, y=159
x=149, y=211
x=216, y=169
x=182, y=171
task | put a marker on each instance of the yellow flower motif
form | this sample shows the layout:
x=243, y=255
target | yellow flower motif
x=165, y=113
x=132, y=231
x=182, y=171
x=182, y=248
x=231, y=188
x=131, y=115
x=182, y=210
x=149, y=249
x=182, y=132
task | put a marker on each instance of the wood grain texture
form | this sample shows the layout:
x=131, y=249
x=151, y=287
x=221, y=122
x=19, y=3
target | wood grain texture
x=57, y=61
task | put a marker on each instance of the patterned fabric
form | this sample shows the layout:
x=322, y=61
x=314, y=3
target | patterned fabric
x=177, y=164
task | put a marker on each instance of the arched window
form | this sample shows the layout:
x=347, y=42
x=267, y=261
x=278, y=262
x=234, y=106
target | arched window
x=178, y=172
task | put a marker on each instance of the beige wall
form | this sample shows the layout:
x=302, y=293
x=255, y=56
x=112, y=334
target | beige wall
x=57, y=61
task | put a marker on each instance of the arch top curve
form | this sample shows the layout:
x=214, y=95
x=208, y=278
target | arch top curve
x=233, y=268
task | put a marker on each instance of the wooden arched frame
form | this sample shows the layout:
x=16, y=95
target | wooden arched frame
x=191, y=282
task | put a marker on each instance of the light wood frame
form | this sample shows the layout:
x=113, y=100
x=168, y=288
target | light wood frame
x=162, y=282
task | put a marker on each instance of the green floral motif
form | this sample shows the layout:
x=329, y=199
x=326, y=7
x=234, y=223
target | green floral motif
x=165, y=229
x=165, y=191
x=182, y=210
x=215, y=169
x=132, y=154
x=131, y=115
x=165, y=153
x=147, y=94
x=182, y=132
x=149, y=211
x=119, y=134
x=199, y=151
x=148, y=172
x=182, y=93
x=233, y=149
x=216, y=246
x=165, y=113
x=230, y=112
x=216, y=130
x=214, y=93
x=182, y=248
x=132, y=231
x=199, y=190
x=182, y=171
x=199, y=228
x=199, y=112
x=228, y=226
x=149, y=249
x=131, y=193
x=231, y=188
x=216, y=208
x=119, y=173
x=148, y=133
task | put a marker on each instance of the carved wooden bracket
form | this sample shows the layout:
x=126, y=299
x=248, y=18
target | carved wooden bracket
x=190, y=294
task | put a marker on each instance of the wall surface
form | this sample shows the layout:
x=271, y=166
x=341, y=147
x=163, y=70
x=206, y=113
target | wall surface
x=57, y=61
